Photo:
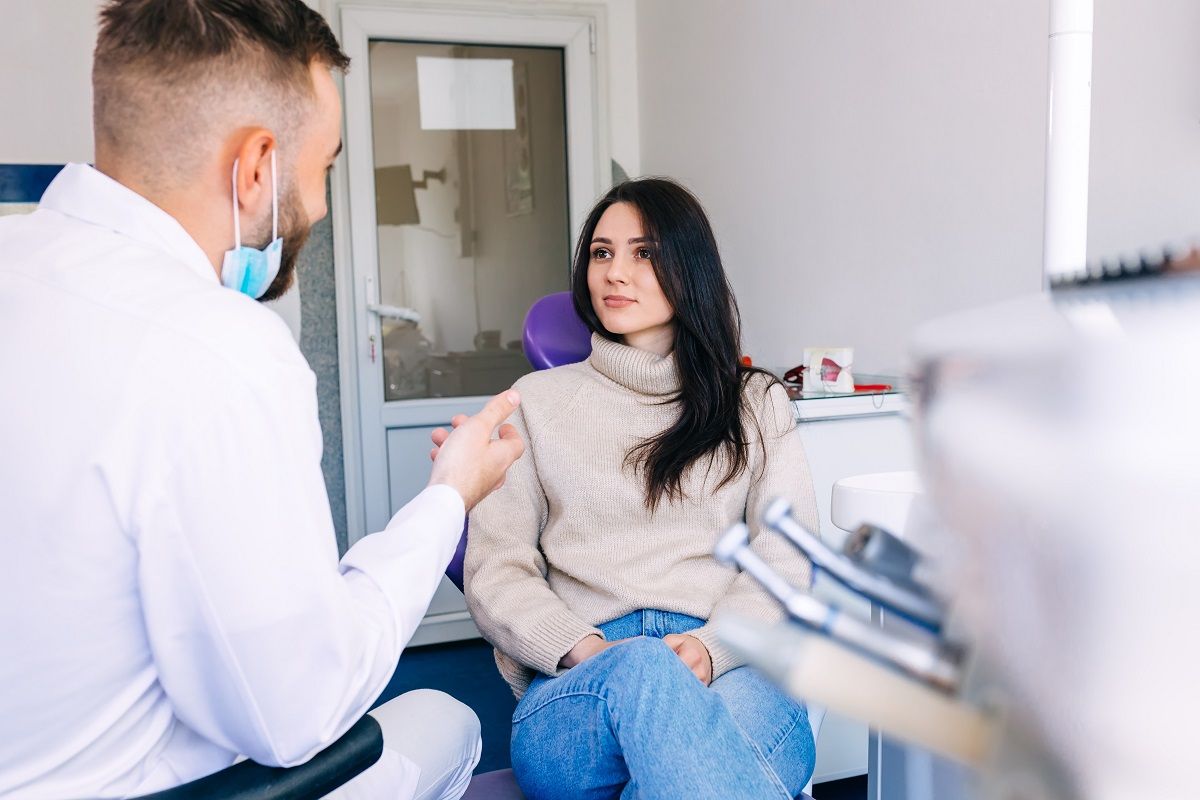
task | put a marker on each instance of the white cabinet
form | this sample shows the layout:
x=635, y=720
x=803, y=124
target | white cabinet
x=838, y=448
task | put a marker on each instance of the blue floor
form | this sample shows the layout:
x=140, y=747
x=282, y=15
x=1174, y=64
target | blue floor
x=466, y=671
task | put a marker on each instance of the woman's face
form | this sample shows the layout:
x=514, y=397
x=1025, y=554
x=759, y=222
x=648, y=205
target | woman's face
x=621, y=280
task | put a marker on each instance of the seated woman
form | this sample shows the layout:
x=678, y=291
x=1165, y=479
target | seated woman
x=591, y=570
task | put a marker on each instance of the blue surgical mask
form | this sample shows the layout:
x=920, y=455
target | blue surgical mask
x=246, y=269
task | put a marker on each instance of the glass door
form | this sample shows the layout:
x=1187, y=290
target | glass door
x=471, y=209
x=473, y=148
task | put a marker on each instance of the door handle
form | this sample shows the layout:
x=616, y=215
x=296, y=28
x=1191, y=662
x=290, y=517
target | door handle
x=395, y=312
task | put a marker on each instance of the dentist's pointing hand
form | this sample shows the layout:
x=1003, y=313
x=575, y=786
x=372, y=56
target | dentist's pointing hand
x=468, y=459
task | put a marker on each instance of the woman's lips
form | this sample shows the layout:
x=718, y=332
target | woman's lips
x=617, y=301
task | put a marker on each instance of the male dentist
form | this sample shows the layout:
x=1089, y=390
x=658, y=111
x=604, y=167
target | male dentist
x=170, y=590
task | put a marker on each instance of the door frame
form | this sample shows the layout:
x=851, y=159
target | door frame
x=580, y=30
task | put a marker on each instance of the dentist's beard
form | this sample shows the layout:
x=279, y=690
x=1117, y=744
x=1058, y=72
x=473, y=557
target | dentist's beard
x=294, y=229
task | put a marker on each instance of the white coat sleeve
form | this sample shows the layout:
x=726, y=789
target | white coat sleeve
x=264, y=643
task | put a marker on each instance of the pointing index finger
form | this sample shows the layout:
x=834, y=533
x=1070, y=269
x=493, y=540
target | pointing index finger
x=499, y=408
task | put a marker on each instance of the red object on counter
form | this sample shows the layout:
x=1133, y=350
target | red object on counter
x=872, y=387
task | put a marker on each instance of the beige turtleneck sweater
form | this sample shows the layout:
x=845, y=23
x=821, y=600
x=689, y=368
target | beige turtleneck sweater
x=568, y=543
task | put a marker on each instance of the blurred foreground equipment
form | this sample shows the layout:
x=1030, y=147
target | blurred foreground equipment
x=1045, y=646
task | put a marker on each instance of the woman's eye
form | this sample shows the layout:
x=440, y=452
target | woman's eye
x=645, y=253
x=600, y=252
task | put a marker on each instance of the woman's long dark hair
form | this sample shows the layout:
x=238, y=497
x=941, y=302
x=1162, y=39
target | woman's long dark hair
x=712, y=392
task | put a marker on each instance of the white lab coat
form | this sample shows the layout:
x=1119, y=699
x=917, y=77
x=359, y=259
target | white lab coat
x=170, y=592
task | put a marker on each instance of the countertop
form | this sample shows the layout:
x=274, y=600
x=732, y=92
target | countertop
x=811, y=406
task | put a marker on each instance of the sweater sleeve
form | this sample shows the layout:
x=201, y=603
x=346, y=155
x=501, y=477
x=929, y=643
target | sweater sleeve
x=505, y=572
x=784, y=473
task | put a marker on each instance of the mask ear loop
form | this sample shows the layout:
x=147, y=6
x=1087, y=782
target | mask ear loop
x=237, y=225
x=274, y=197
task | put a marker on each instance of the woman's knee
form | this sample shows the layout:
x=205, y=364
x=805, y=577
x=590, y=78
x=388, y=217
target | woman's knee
x=641, y=655
x=648, y=664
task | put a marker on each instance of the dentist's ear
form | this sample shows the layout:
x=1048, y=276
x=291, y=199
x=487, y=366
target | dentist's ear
x=253, y=155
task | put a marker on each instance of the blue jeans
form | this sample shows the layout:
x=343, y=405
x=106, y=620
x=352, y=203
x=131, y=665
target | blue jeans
x=634, y=722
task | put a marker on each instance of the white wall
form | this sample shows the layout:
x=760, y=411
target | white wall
x=870, y=165
x=623, y=108
x=866, y=165
x=45, y=80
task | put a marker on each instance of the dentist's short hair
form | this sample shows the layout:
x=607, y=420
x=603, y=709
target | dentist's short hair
x=170, y=77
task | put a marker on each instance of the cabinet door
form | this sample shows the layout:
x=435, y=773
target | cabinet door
x=408, y=473
x=836, y=449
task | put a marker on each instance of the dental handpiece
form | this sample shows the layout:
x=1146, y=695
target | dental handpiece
x=877, y=550
x=909, y=599
x=923, y=659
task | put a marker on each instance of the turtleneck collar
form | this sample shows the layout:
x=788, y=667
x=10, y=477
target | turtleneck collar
x=637, y=370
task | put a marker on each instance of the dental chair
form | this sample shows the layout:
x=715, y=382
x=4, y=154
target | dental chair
x=553, y=336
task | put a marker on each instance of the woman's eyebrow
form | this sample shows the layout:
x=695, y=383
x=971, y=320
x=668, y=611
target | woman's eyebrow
x=635, y=240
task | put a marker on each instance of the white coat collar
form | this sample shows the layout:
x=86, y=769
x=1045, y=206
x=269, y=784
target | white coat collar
x=85, y=193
